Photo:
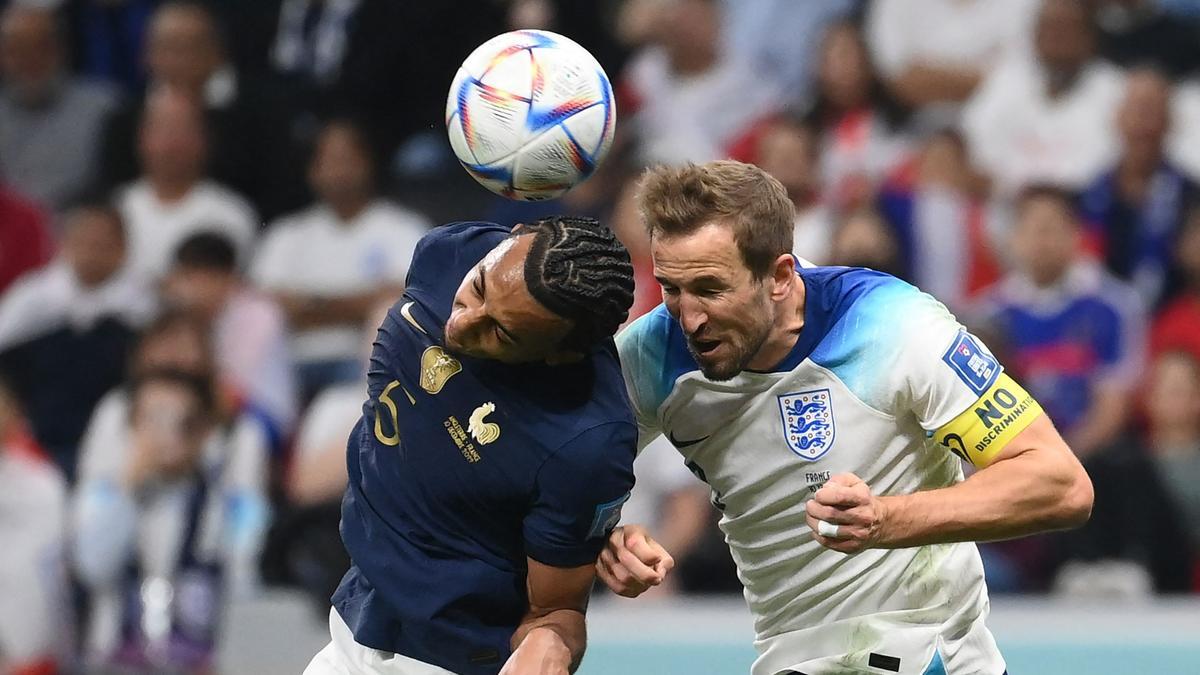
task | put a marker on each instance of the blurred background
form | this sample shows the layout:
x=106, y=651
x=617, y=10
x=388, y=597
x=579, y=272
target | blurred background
x=205, y=206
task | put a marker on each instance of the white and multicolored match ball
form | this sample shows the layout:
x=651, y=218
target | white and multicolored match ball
x=530, y=114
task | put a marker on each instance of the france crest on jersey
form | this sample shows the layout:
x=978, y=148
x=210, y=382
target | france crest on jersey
x=808, y=424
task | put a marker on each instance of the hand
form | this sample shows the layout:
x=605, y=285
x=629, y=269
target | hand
x=542, y=652
x=846, y=501
x=632, y=562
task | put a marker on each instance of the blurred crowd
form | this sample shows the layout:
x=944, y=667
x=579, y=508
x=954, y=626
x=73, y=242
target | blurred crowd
x=206, y=205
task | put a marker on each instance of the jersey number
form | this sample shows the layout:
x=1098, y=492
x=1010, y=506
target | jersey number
x=386, y=400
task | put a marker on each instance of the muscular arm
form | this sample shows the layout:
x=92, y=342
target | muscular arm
x=1034, y=484
x=552, y=636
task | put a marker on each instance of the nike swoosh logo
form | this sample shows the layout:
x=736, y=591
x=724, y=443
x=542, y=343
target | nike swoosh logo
x=683, y=444
x=406, y=312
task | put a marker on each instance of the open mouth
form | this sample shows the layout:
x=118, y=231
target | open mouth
x=705, y=347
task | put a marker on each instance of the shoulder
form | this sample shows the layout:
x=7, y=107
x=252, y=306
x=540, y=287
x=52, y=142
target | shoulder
x=226, y=202
x=866, y=323
x=654, y=355
x=453, y=248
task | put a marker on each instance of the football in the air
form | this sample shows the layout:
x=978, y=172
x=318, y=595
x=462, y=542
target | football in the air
x=530, y=114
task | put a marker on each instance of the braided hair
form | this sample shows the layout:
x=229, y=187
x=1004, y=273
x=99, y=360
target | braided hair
x=579, y=270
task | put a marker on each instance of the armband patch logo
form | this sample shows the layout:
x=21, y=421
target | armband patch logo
x=974, y=366
x=607, y=516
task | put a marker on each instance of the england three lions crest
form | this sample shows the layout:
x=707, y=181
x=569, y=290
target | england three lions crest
x=808, y=422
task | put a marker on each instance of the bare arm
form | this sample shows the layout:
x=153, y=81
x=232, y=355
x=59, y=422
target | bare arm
x=1034, y=484
x=552, y=636
x=312, y=311
x=921, y=85
x=1105, y=418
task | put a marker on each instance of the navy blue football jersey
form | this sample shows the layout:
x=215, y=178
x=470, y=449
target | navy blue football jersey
x=460, y=468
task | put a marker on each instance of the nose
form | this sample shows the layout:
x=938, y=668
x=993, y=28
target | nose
x=464, y=325
x=692, y=316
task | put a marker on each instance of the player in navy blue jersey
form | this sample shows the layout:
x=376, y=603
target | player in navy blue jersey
x=492, y=457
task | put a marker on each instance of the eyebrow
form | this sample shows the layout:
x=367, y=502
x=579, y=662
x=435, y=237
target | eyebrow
x=499, y=326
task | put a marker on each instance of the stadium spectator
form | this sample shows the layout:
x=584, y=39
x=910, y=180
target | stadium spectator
x=65, y=330
x=24, y=237
x=167, y=526
x=305, y=547
x=329, y=264
x=249, y=124
x=33, y=507
x=780, y=39
x=1049, y=118
x=688, y=99
x=108, y=39
x=1177, y=326
x=249, y=331
x=858, y=121
x=934, y=53
x=941, y=221
x=864, y=239
x=626, y=222
x=1134, y=210
x=788, y=149
x=1157, y=527
x=1071, y=332
x=173, y=199
x=50, y=122
x=1142, y=33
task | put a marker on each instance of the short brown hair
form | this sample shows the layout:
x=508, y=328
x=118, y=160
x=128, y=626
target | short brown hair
x=677, y=200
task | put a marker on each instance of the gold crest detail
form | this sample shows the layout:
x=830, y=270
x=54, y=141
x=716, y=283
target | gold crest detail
x=483, y=432
x=436, y=368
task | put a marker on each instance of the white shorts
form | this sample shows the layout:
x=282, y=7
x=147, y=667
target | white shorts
x=344, y=656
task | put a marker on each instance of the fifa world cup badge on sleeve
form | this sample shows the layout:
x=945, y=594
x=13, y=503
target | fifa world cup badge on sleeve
x=607, y=516
x=974, y=366
x=808, y=425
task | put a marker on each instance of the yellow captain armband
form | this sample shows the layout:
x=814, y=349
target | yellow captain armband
x=982, y=430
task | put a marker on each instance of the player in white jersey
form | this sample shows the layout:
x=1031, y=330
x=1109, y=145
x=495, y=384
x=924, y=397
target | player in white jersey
x=830, y=410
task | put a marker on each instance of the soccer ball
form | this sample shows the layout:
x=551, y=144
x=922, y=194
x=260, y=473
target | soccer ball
x=530, y=114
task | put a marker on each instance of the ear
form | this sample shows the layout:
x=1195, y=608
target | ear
x=782, y=276
x=562, y=357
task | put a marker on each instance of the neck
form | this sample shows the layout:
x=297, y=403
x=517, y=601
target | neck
x=693, y=61
x=171, y=189
x=786, y=330
x=1136, y=170
x=1060, y=80
x=347, y=209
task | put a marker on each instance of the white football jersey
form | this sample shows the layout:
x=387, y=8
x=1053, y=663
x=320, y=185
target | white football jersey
x=884, y=383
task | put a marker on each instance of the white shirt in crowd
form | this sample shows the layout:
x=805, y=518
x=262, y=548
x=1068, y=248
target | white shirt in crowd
x=155, y=229
x=109, y=524
x=32, y=581
x=315, y=252
x=957, y=34
x=329, y=419
x=1018, y=134
x=812, y=238
x=51, y=298
x=693, y=118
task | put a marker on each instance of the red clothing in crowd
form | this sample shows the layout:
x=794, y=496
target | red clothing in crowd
x=1177, y=327
x=25, y=242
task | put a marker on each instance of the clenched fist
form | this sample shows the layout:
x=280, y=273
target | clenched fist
x=844, y=515
x=632, y=562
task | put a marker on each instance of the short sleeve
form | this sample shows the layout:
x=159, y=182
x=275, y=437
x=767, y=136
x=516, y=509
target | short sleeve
x=642, y=347
x=580, y=490
x=956, y=387
x=886, y=32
